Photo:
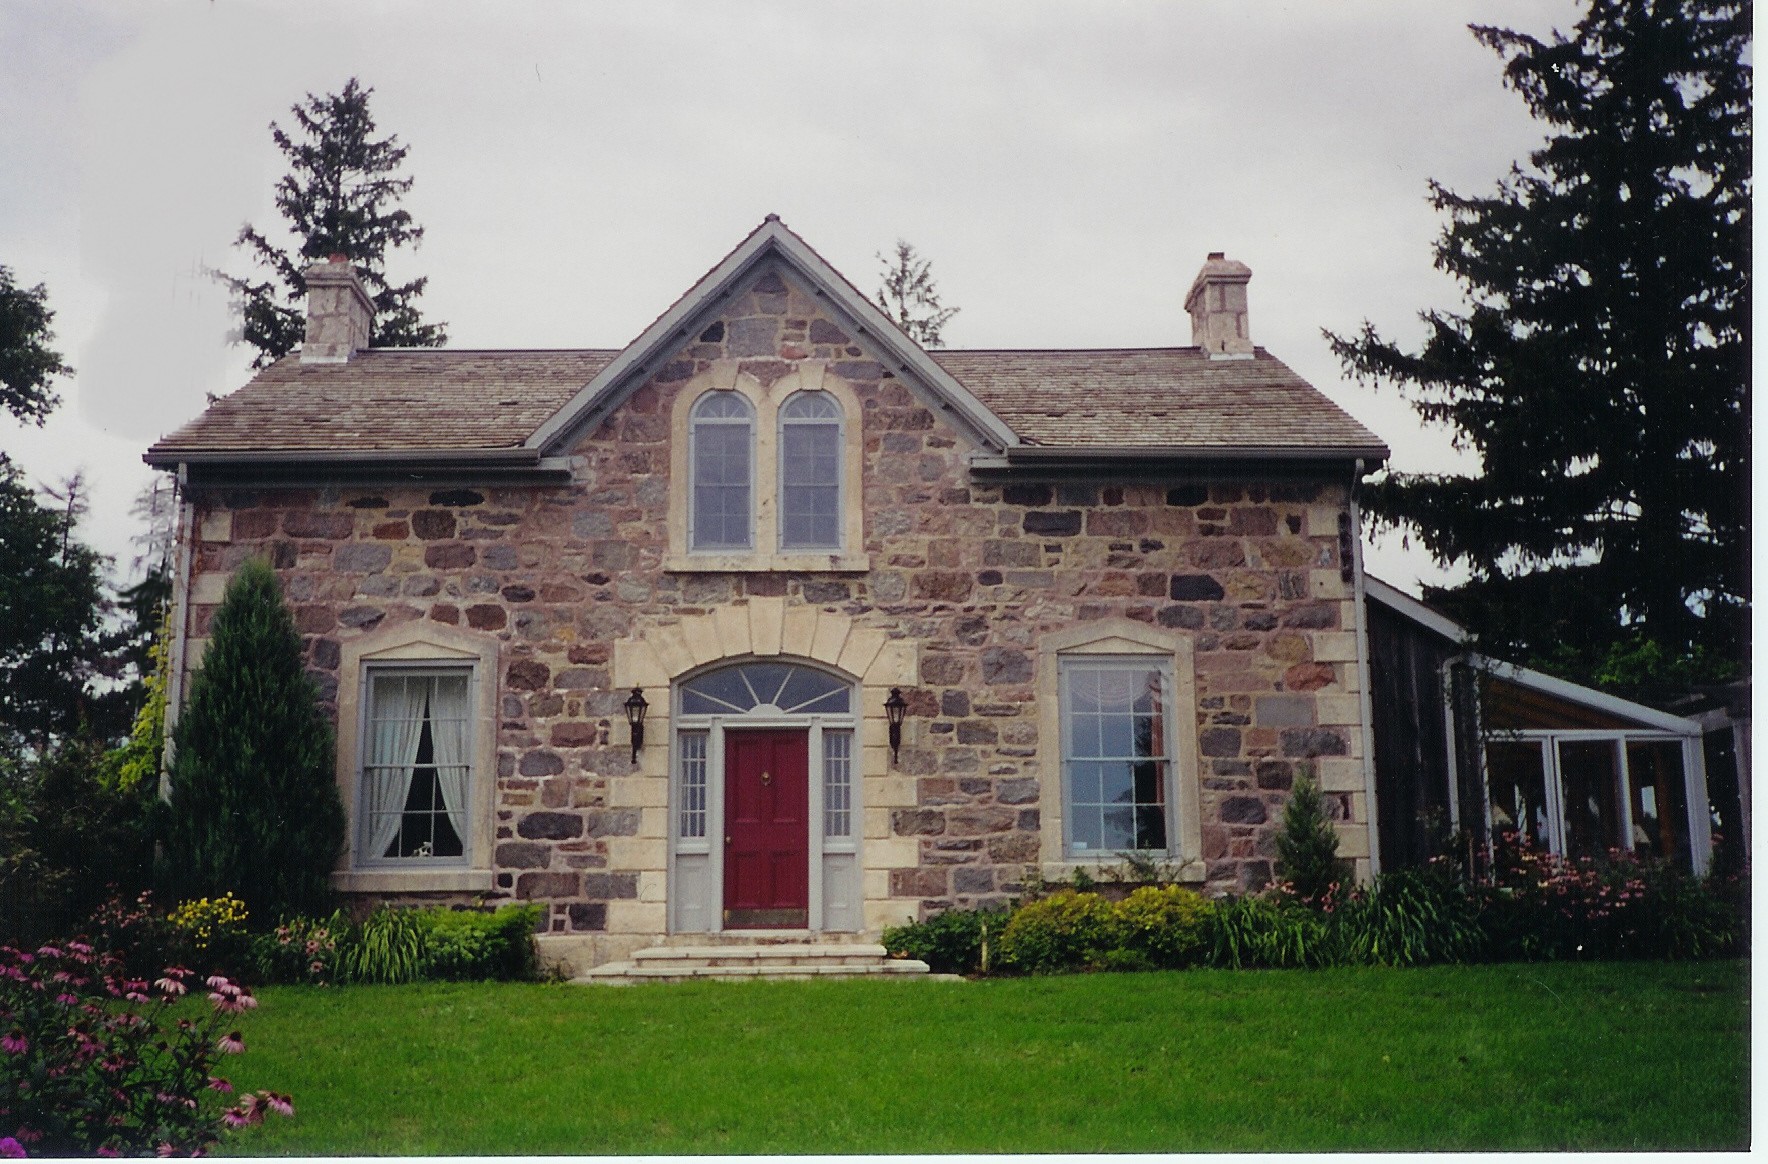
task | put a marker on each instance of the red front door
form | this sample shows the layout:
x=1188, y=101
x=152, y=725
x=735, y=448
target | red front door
x=767, y=829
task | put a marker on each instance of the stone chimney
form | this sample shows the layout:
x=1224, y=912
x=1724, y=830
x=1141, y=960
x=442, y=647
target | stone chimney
x=339, y=313
x=1217, y=303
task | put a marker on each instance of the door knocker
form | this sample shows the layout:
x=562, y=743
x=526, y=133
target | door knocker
x=767, y=777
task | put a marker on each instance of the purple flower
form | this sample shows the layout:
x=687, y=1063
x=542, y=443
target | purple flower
x=14, y=1043
x=11, y=1149
x=231, y=1044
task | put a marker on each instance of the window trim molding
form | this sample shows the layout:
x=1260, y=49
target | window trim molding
x=419, y=644
x=765, y=401
x=1119, y=638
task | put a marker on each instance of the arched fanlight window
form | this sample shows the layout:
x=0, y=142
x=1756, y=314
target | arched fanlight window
x=810, y=473
x=723, y=455
x=767, y=688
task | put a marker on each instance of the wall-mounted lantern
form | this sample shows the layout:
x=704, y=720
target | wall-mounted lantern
x=635, y=718
x=895, y=708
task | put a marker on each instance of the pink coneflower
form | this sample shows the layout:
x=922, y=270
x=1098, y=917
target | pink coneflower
x=218, y=982
x=231, y=1043
x=216, y=1083
x=170, y=986
x=14, y=1043
x=281, y=1104
x=165, y=1149
x=108, y=1153
x=48, y=952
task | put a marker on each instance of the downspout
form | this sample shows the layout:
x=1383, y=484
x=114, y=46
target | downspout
x=1364, y=699
x=179, y=623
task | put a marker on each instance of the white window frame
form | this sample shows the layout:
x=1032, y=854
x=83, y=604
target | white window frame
x=1694, y=792
x=765, y=553
x=418, y=646
x=1120, y=641
x=709, y=847
x=839, y=424
x=360, y=827
x=1067, y=667
x=695, y=424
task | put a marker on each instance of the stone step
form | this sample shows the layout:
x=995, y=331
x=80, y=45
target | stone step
x=749, y=962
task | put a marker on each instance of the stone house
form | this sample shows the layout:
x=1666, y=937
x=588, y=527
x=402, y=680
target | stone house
x=1111, y=594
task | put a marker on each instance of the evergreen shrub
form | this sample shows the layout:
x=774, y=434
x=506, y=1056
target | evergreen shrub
x=951, y=942
x=1168, y=925
x=1307, y=844
x=254, y=804
x=1064, y=931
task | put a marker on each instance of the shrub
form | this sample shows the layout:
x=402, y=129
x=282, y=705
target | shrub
x=951, y=942
x=69, y=838
x=254, y=803
x=300, y=950
x=390, y=946
x=1064, y=931
x=213, y=931
x=138, y=935
x=1540, y=907
x=1409, y=917
x=1269, y=932
x=93, y=1061
x=471, y=945
x=1168, y=925
x=1307, y=844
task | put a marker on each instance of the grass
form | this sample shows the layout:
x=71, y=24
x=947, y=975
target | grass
x=1610, y=1056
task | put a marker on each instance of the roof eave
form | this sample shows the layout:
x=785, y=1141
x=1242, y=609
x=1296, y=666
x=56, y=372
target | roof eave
x=1040, y=456
x=291, y=466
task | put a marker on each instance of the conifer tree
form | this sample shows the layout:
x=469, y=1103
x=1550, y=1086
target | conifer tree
x=340, y=197
x=1601, y=370
x=909, y=297
x=254, y=808
x=1307, y=844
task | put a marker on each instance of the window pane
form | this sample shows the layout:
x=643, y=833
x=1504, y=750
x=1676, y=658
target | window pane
x=1659, y=800
x=1115, y=762
x=810, y=486
x=415, y=765
x=837, y=784
x=741, y=688
x=721, y=473
x=1519, y=789
x=693, y=784
x=1592, y=803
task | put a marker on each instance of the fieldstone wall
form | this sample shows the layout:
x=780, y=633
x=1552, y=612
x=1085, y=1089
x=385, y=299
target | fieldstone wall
x=974, y=573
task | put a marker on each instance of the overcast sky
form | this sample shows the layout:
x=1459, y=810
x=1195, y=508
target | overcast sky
x=1066, y=167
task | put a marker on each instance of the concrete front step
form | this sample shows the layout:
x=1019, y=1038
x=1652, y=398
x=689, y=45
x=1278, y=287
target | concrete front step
x=687, y=963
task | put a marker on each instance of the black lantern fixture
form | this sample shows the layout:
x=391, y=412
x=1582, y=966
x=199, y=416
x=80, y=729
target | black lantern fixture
x=895, y=708
x=635, y=718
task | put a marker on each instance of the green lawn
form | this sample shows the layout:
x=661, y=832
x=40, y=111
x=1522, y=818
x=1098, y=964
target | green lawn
x=1610, y=1056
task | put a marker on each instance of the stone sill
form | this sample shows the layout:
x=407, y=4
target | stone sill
x=1191, y=870
x=767, y=563
x=413, y=881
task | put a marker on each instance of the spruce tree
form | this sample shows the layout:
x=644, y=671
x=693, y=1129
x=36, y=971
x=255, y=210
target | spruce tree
x=907, y=294
x=340, y=197
x=1601, y=368
x=254, y=808
x=1307, y=844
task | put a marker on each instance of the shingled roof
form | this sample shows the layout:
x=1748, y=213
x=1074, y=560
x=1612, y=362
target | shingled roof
x=1148, y=398
x=519, y=408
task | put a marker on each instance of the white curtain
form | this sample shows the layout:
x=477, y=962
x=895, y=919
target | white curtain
x=397, y=724
x=448, y=735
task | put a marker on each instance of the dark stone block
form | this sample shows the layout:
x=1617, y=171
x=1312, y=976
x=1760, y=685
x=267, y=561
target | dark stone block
x=1029, y=820
x=969, y=879
x=523, y=855
x=852, y=370
x=1195, y=588
x=1220, y=741
x=1243, y=810
x=575, y=735
x=713, y=334
x=550, y=826
x=818, y=592
x=433, y=525
x=941, y=670
x=590, y=915
x=1315, y=741
x=975, y=732
x=824, y=332
x=917, y=822
x=450, y=556
x=1026, y=494
x=955, y=704
x=1006, y=665
x=610, y=886
x=1274, y=775
x=1313, y=616
x=517, y=594
x=1186, y=617
x=486, y=617
x=361, y=617
x=1019, y=790
x=988, y=577
x=1187, y=495
x=1059, y=523
x=917, y=882
x=326, y=526
x=457, y=497
x=540, y=764
x=532, y=885
x=528, y=675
